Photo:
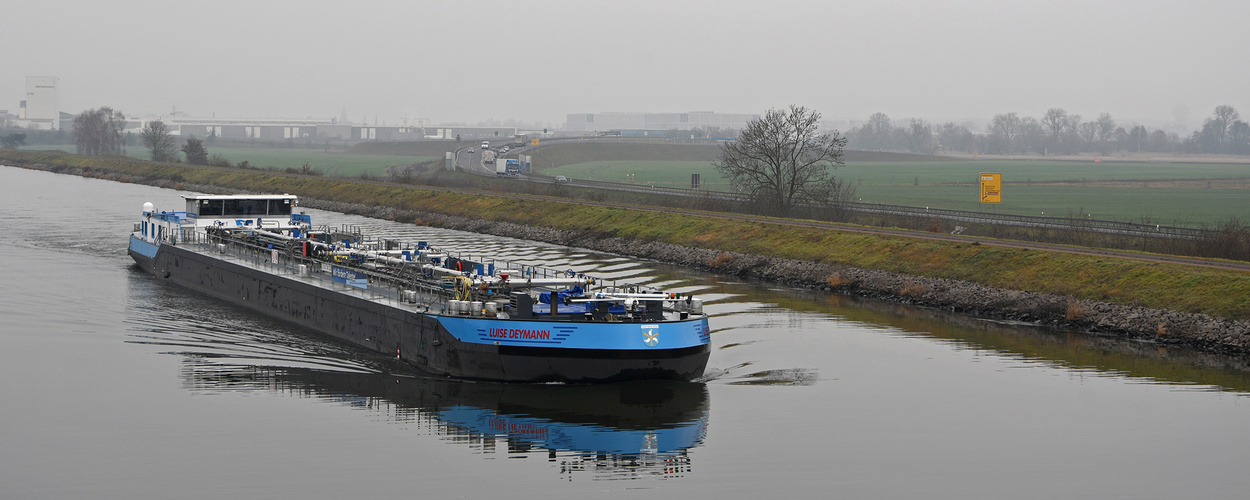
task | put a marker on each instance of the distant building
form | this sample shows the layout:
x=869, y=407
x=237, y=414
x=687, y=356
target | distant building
x=240, y=128
x=314, y=129
x=42, y=107
x=636, y=122
x=412, y=133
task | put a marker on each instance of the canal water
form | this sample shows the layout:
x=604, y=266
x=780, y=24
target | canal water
x=113, y=385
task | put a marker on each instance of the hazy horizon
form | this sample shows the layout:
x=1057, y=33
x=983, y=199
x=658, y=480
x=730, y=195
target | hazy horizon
x=1155, y=63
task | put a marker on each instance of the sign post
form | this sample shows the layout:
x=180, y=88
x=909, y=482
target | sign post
x=991, y=188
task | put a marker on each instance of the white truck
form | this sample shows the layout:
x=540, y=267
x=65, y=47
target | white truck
x=488, y=157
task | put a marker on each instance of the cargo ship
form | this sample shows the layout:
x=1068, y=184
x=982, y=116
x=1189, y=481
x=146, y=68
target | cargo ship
x=443, y=313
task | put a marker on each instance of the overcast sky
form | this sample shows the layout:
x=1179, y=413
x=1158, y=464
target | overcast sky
x=1153, y=62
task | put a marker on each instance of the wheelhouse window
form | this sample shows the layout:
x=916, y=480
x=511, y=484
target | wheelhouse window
x=243, y=207
x=246, y=207
x=210, y=207
x=280, y=207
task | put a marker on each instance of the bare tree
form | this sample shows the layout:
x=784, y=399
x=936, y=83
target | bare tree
x=195, y=152
x=1088, y=132
x=1072, y=135
x=1214, y=136
x=1106, y=130
x=1055, y=121
x=953, y=137
x=1032, y=135
x=158, y=139
x=1106, y=127
x=1224, y=117
x=1137, y=137
x=920, y=137
x=1122, y=140
x=1239, y=137
x=98, y=132
x=876, y=134
x=1160, y=142
x=782, y=160
x=1005, y=129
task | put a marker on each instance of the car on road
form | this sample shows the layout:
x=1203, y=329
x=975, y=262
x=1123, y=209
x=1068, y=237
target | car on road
x=561, y=178
x=470, y=150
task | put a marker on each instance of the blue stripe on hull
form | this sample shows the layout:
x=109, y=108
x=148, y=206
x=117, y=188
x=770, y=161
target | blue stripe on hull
x=557, y=435
x=571, y=335
x=137, y=245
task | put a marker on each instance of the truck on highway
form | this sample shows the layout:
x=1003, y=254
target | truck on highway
x=488, y=157
x=505, y=166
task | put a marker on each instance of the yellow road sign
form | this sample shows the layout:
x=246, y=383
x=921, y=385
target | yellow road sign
x=991, y=188
x=533, y=142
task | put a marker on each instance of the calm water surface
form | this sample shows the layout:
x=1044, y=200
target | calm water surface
x=116, y=386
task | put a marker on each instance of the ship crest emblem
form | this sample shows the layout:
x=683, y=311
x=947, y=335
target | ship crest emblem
x=650, y=443
x=651, y=337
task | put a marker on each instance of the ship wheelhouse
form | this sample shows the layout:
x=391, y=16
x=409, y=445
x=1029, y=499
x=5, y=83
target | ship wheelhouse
x=207, y=210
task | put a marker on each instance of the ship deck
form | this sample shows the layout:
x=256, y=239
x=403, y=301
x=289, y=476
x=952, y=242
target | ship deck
x=380, y=286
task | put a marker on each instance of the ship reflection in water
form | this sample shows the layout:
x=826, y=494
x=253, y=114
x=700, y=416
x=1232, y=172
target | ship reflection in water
x=611, y=431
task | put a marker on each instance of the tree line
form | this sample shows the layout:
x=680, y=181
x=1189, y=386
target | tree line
x=98, y=132
x=1056, y=132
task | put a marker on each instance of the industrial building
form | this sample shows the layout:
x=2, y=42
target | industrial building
x=655, y=123
x=312, y=129
x=41, y=109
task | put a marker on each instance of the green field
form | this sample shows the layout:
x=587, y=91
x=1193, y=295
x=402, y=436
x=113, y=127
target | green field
x=660, y=173
x=334, y=163
x=1158, y=193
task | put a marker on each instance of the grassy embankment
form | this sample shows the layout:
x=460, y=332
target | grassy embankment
x=1166, y=286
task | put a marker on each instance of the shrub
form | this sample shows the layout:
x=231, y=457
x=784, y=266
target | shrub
x=912, y=289
x=719, y=261
x=1076, y=311
x=836, y=280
